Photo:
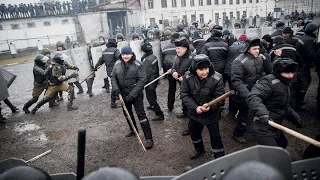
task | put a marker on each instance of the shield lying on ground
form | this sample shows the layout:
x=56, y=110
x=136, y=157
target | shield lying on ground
x=136, y=48
x=81, y=60
x=11, y=163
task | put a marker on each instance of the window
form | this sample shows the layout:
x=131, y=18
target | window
x=238, y=1
x=163, y=3
x=184, y=19
x=224, y=16
x=257, y=1
x=201, y=18
x=150, y=4
x=223, y=1
x=231, y=15
x=31, y=25
x=250, y=1
x=244, y=1
x=174, y=3
x=183, y=3
x=191, y=2
x=47, y=23
x=152, y=22
x=245, y=14
x=193, y=18
x=65, y=21
x=230, y=2
x=1, y=27
x=200, y=2
x=238, y=15
x=208, y=2
x=15, y=26
x=216, y=18
x=216, y=2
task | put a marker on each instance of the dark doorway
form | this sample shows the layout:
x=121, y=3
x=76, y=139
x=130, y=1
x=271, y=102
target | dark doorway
x=117, y=23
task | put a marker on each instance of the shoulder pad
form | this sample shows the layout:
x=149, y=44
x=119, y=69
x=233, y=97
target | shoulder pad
x=217, y=76
x=275, y=81
x=138, y=63
x=244, y=60
x=263, y=56
x=188, y=74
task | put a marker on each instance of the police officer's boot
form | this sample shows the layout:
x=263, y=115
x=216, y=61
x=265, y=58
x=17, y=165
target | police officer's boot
x=70, y=99
x=52, y=102
x=77, y=83
x=147, y=133
x=28, y=104
x=11, y=106
x=199, y=149
x=106, y=85
x=89, y=86
x=41, y=103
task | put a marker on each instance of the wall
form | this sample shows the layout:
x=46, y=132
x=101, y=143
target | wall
x=207, y=10
x=25, y=36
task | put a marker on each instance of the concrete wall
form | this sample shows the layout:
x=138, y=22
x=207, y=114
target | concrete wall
x=209, y=11
x=26, y=36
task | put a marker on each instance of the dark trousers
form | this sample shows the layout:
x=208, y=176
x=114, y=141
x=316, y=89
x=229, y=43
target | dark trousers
x=304, y=80
x=151, y=95
x=280, y=140
x=144, y=122
x=232, y=103
x=216, y=143
x=171, y=91
x=241, y=127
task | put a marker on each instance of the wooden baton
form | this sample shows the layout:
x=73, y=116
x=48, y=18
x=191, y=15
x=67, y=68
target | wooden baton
x=156, y=79
x=218, y=99
x=89, y=75
x=294, y=133
x=39, y=156
x=131, y=123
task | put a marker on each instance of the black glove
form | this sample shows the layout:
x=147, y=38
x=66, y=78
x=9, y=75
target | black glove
x=75, y=68
x=297, y=119
x=264, y=119
x=95, y=69
x=117, y=92
x=73, y=75
x=129, y=99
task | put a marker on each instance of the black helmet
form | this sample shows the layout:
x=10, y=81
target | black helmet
x=216, y=33
x=59, y=58
x=119, y=36
x=115, y=173
x=41, y=59
x=280, y=24
x=311, y=27
x=25, y=172
x=146, y=46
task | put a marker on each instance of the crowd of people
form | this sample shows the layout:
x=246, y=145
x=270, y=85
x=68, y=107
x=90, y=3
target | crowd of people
x=15, y=11
x=270, y=77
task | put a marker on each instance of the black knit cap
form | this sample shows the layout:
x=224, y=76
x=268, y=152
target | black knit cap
x=267, y=37
x=287, y=30
x=279, y=40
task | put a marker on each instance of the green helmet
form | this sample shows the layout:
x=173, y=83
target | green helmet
x=180, y=27
x=156, y=31
x=192, y=27
x=167, y=33
x=167, y=28
x=119, y=36
x=135, y=35
x=96, y=44
x=60, y=44
x=45, y=51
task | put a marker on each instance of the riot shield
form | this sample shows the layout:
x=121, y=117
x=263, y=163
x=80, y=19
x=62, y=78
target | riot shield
x=258, y=22
x=164, y=44
x=238, y=32
x=96, y=53
x=121, y=44
x=81, y=60
x=254, y=32
x=157, y=52
x=206, y=37
x=71, y=61
x=11, y=163
x=250, y=21
x=136, y=48
x=8, y=77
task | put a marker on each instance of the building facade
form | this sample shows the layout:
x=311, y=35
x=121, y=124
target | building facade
x=169, y=12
